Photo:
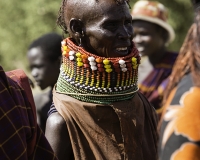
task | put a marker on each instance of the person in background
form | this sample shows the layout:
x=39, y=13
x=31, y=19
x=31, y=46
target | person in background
x=97, y=111
x=179, y=126
x=152, y=34
x=44, y=56
x=20, y=136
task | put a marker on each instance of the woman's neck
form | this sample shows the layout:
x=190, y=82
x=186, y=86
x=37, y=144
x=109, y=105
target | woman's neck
x=84, y=73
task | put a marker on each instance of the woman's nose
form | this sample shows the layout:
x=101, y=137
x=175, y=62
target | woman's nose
x=124, y=33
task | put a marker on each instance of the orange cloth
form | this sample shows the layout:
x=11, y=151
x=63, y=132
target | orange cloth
x=180, y=129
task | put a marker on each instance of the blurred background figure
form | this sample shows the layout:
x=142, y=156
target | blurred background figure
x=44, y=56
x=152, y=36
x=180, y=129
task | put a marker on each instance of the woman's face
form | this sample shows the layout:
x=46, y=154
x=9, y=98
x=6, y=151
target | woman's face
x=147, y=38
x=110, y=33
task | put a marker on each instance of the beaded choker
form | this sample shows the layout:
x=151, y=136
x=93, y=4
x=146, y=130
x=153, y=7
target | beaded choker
x=95, y=79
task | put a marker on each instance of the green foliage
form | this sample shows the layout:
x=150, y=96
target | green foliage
x=181, y=18
x=23, y=21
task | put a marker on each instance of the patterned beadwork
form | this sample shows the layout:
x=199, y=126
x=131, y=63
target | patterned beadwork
x=86, y=73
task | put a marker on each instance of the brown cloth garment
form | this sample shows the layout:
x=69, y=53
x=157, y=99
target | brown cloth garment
x=123, y=130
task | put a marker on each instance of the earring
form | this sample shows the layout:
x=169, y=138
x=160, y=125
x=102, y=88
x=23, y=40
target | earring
x=80, y=42
x=82, y=35
x=78, y=38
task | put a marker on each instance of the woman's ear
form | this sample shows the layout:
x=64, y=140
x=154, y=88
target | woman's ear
x=77, y=29
x=76, y=26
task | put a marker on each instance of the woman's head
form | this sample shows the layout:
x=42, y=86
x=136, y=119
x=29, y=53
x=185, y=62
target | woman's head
x=103, y=27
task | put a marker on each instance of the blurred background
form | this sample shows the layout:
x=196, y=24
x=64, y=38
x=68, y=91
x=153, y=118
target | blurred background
x=23, y=21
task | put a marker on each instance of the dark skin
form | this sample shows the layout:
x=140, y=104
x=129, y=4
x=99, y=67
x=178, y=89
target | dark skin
x=102, y=23
x=44, y=71
x=105, y=29
x=149, y=40
x=58, y=136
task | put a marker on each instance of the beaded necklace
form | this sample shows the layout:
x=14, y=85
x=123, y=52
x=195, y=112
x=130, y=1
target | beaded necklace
x=95, y=79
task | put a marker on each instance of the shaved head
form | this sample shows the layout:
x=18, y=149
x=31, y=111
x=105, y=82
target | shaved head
x=101, y=27
x=82, y=10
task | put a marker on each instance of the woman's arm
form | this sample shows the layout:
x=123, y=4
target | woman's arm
x=57, y=134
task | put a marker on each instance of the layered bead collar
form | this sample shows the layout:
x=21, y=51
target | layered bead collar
x=96, y=79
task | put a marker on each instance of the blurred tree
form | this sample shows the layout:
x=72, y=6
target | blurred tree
x=20, y=23
x=23, y=21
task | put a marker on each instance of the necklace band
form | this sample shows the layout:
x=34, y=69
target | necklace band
x=98, y=95
x=95, y=79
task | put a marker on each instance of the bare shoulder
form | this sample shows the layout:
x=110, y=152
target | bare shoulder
x=55, y=121
x=58, y=136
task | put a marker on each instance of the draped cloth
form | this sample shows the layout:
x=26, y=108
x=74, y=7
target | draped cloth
x=122, y=130
x=20, y=136
x=179, y=125
x=153, y=86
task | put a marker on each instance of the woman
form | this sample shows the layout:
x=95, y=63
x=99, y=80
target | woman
x=97, y=111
